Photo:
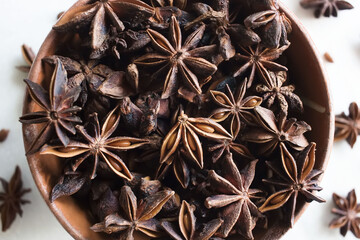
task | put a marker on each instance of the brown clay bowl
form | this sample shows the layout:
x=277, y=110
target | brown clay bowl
x=306, y=70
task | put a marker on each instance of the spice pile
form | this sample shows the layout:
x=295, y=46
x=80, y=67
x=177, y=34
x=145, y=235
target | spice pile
x=176, y=118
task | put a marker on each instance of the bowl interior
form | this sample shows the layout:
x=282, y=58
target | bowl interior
x=305, y=69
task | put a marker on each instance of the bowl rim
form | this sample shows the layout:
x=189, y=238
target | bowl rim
x=36, y=69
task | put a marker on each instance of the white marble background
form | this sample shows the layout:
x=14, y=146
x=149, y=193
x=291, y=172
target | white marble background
x=24, y=21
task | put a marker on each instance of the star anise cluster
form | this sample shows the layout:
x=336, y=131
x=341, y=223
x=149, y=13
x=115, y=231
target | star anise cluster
x=165, y=112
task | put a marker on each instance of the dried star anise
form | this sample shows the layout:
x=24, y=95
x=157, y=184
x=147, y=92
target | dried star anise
x=99, y=13
x=236, y=106
x=271, y=24
x=58, y=110
x=135, y=215
x=100, y=146
x=276, y=130
x=348, y=214
x=179, y=60
x=275, y=91
x=29, y=57
x=348, y=127
x=187, y=228
x=300, y=177
x=11, y=199
x=260, y=61
x=186, y=132
x=326, y=8
x=235, y=198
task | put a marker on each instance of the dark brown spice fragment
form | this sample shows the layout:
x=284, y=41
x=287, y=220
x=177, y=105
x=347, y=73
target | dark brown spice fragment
x=4, y=134
x=29, y=57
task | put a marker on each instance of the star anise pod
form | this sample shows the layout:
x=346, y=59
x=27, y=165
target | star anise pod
x=348, y=126
x=260, y=61
x=11, y=199
x=186, y=132
x=326, y=8
x=29, y=57
x=136, y=216
x=187, y=228
x=235, y=198
x=58, y=110
x=100, y=14
x=179, y=60
x=272, y=25
x=276, y=130
x=297, y=176
x=283, y=95
x=235, y=106
x=348, y=214
x=99, y=146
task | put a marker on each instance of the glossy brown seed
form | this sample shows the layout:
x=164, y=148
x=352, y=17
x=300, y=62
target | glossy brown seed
x=328, y=57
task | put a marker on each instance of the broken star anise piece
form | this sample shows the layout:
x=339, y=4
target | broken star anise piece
x=101, y=146
x=271, y=25
x=99, y=13
x=348, y=214
x=348, y=126
x=235, y=198
x=186, y=131
x=297, y=176
x=29, y=57
x=187, y=228
x=136, y=215
x=58, y=110
x=326, y=8
x=11, y=199
x=235, y=106
x=179, y=60
x=220, y=23
x=284, y=95
x=276, y=130
x=260, y=61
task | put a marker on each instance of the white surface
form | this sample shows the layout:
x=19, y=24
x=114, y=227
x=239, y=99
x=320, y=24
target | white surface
x=24, y=21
